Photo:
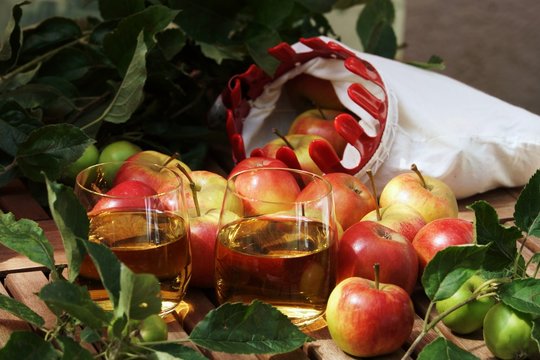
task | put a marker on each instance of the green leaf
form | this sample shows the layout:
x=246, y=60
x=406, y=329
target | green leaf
x=171, y=42
x=72, y=222
x=443, y=349
x=522, y=295
x=374, y=27
x=139, y=295
x=535, y=332
x=450, y=268
x=130, y=94
x=119, y=8
x=89, y=335
x=27, y=345
x=48, y=35
x=70, y=64
x=122, y=44
x=108, y=267
x=434, y=63
x=320, y=6
x=258, y=49
x=20, y=310
x=27, y=238
x=11, y=40
x=72, y=350
x=257, y=328
x=19, y=79
x=527, y=208
x=50, y=149
x=76, y=301
x=503, y=250
x=34, y=95
x=272, y=13
x=175, y=351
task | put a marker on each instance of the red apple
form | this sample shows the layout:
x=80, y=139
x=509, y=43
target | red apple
x=257, y=162
x=399, y=217
x=368, y=319
x=366, y=243
x=210, y=189
x=203, y=230
x=129, y=194
x=438, y=235
x=319, y=122
x=300, y=145
x=351, y=197
x=430, y=196
x=307, y=91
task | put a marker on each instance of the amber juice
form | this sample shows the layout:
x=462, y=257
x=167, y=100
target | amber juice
x=147, y=242
x=281, y=261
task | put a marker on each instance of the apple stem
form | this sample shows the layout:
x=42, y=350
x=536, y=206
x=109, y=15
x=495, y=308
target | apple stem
x=376, y=269
x=321, y=112
x=174, y=156
x=193, y=188
x=282, y=137
x=415, y=169
x=374, y=189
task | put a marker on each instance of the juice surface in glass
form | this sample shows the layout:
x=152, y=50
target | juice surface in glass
x=284, y=261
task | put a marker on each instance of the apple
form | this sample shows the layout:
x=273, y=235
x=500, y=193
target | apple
x=307, y=91
x=438, y=235
x=368, y=242
x=210, y=190
x=203, y=233
x=116, y=151
x=469, y=317
x=257, y=162
x=265, y=190
x=129, y=194
x=88, y=158
x=299, y=144
x=367, y=318
x=430, y=196
x=399, y=217
x=319, y=122
x=351, y=197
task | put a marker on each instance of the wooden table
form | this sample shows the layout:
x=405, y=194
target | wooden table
x=21, y=279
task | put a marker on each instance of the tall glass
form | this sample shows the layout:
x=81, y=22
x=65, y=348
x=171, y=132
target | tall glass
x=143, y=220
x=277, y=242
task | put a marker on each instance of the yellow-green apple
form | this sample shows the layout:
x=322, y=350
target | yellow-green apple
x=115, y=152
x=210, y=190
x=400, y=217
x=129, y=194
x=299, y=144
x=367, y=318
x=432, y=197
x=352, y=198
x=367, y=243
x=88, y=158
x=256, y=162
x=307, y=91
x=438, y=235
x=469, y=317
x=319, y=122
x=203, y=233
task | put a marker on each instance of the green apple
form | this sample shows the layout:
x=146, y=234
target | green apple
x=89, y=157
x=470, y=317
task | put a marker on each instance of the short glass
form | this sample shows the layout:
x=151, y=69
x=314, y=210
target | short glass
x=275, y=245
x=146, y=226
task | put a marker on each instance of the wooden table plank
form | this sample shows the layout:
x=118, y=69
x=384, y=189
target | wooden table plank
x=9, y=323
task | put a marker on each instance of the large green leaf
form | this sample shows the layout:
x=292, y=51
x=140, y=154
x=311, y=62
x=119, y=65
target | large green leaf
x=444, y=349
x=527, y=208
x=522, y=295
x=450, y=268
x=257, y=328
x=121, y=44
x=69, y=63
x=503, y=250
x=72, y=222
x=75, y=300
x=27, y=238
x=20, y=310
x=73, y=350
x=174, y=351
x=28, y=345
x=50, y=149
x=139, y=295
x=374, y=27
x=11, y=40
x=114, y=9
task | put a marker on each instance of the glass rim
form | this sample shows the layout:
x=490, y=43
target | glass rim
x=178, y=187
x=318, y=177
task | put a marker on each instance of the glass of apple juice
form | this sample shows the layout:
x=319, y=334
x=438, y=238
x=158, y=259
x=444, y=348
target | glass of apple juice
x=277, y=241
x=138, y=210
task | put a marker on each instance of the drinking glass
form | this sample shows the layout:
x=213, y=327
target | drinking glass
x=146, y=226
x=277, y=242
